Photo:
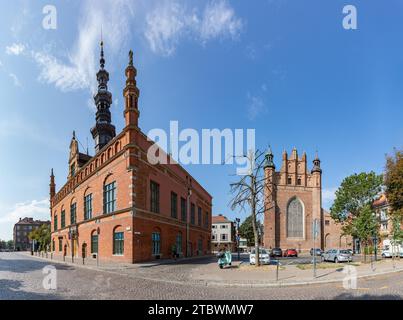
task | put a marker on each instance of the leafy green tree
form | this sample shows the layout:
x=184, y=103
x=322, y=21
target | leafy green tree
x=353, y=205
x=10, y=244
x=246, y=231
x=3, y=244
x=394, y=182
x=42, y=236
x=396, y=232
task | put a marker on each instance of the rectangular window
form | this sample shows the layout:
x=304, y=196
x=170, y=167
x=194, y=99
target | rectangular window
x=184, y=211
x=179, y=243
x=118, y=243
x=73, y=213
x=213, y=237
x=155, y=197
x=60, y=244
x=206, y=222
x=73, y=170
x=192, y=214
x=110, y=197
x=156, y=243
x=55, y=223
x=199, y=216
x=63, y=219
x=200, y=246
x=174, y=205
x=88, y=207
x=224, y=237
x=94, y=243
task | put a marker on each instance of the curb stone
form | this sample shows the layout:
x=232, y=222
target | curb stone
x=209, y=283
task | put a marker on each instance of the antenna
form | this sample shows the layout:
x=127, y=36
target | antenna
x=87, y=146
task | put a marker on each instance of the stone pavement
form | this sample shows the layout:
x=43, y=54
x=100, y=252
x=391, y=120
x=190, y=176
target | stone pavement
x=204, y=271
x=242, y=275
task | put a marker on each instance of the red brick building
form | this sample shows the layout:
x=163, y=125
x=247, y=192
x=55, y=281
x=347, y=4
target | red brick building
x=293, y=201
x=117, y=205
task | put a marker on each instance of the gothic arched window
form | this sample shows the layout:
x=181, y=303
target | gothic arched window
x=295, y=219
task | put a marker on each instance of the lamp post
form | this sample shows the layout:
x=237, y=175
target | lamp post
x=237, y=221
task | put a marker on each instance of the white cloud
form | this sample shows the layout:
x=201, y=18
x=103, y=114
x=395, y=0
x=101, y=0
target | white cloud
x=1, y=64
x=169, y=22
x=328, y=196
x=255, y=106
x=165, y=26
x=220, y=20
x=16, y=81
x=78, y=72
x=15, y=49
x=39, y=210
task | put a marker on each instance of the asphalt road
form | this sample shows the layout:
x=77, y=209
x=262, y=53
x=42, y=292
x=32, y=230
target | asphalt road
x=21, y=277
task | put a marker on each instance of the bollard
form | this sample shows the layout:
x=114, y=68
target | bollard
x=278, y=262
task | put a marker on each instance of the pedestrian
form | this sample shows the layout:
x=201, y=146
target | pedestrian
x=174, y=251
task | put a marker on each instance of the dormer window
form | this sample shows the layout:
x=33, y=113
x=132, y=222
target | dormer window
x=73, y=170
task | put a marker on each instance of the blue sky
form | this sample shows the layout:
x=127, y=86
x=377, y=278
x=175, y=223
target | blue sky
x=285, y=68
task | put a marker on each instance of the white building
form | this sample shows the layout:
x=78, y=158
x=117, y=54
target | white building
x=222, y=234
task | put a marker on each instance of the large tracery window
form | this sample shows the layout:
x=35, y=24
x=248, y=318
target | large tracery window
x=295, y=219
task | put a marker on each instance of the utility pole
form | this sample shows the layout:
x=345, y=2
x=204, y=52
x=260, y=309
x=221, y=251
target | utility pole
x=314, y=234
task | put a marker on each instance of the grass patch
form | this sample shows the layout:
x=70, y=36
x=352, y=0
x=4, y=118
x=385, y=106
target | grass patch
x=326, y=265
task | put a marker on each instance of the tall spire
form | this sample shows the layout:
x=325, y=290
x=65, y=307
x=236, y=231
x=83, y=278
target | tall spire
x=103, y=131
x=52, y=185
x=269, y=159
x=316, y=164
x=102, y=59
x=131, y=94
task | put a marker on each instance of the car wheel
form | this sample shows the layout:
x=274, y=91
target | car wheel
x=221, y=266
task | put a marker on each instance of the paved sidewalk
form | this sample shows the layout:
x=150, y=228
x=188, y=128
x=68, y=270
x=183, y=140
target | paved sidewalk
x=204, y=271
x=243, y=275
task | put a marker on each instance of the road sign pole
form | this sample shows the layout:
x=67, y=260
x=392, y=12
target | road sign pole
x=314, y=229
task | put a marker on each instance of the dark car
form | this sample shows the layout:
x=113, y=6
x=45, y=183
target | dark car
x=276, y=252
x=290, y=253
x=318, y=252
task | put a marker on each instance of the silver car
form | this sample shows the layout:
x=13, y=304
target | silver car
x=337, y=255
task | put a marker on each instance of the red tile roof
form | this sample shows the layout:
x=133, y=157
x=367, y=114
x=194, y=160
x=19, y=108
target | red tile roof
x=220, y=219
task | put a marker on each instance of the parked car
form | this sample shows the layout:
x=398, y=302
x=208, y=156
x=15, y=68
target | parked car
x=290, y=253
x=276, y=252
x=389, y=250
x=264, y=256
x=318, y=252
x=337, y=255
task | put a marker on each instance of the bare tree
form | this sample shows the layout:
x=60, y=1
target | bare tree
x=251, y=191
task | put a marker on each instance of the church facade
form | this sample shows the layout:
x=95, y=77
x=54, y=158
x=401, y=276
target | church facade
x=115, y=205
x=293, y=207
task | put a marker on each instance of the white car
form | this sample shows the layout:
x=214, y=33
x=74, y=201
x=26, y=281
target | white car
x=264, y=256
x=389, y=249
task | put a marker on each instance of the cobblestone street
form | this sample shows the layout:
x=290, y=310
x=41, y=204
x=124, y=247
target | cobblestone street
x=21, y=277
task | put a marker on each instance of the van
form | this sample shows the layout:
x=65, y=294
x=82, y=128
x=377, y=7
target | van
x=389, y=249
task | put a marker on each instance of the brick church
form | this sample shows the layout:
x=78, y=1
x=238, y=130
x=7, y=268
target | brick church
x=115, y=205
x=293, y=200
